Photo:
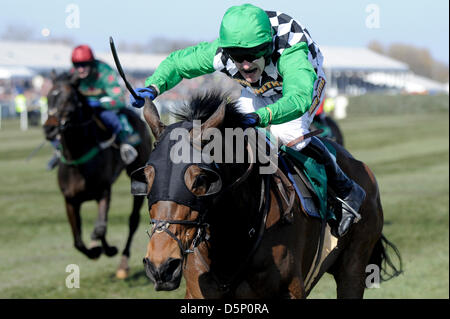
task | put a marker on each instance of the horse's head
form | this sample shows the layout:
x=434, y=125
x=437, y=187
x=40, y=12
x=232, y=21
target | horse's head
x=63, y=101
x=179, y=190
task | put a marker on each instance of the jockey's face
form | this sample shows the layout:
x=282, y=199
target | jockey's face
x=83, y=69
x=251, y=71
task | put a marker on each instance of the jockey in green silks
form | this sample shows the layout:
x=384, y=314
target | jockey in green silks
x=279, y=67
x=99, y=84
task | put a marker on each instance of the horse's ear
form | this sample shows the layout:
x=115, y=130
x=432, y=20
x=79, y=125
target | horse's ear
x=216, y=119
x=75, y=79
x=53, y=75
x=151, y=115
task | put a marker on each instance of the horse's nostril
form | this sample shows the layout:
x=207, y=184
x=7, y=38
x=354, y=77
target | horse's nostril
x=144, y=261
x=169, y=269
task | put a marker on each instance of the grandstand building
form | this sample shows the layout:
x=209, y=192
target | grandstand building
x=350, y=71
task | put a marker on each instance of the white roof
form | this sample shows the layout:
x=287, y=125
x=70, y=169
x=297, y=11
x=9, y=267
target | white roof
x=37, y=55
x=133, y=61
x=417, y=83
x=8, y=72
x=45, y=56
x=410, y=82
x=358, y=59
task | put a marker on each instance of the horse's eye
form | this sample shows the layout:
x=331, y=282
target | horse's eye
x=202, y=181
x=201, y=184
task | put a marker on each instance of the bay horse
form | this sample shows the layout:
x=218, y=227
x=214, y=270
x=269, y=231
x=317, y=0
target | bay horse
x=330, y=127
x=230, y=238
x=90, y=163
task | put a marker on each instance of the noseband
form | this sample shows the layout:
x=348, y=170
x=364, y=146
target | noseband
x=163, y=226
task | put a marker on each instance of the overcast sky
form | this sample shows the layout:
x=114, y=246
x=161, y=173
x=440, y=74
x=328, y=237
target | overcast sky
x=346, y=23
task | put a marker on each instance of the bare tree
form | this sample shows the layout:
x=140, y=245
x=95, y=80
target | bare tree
x=17, y=33
x=165, y=45
x=376, y=47
x=63, y=39
x=419, y=60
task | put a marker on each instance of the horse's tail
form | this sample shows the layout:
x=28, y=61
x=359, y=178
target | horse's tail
x=380, y=257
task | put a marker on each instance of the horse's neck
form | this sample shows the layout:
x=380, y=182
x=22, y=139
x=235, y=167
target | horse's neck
x=78, y=139
x=235, y=216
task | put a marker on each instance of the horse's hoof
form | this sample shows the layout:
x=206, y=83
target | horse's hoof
x=123, y=270
x=94, y=252
x=122, y=273
x=111, y=251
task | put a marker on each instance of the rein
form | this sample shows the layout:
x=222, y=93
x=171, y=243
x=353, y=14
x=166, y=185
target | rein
x=63, y=124
x=89, y=154
x=263, y=211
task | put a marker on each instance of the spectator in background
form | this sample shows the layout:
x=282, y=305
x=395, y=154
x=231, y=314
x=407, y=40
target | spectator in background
x=20, y=101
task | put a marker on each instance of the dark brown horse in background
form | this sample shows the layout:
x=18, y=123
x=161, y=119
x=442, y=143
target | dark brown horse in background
x=241, y=246
x=91, y=165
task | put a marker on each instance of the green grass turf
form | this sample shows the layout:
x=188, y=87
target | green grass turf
x=407, y=152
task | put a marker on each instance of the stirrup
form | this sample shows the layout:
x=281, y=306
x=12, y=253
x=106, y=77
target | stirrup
x=351, y=210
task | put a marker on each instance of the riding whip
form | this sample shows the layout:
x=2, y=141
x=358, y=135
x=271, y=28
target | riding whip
x=37, y=149
x=120, y=70
x=304, y=137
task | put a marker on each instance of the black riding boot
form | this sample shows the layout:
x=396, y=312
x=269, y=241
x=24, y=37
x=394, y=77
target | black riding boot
x=348, y=192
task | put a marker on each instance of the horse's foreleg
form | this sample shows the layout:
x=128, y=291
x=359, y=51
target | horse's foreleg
x=296, y=288
x=100, y=224
x=350, y=272
x=133, y=223
x=73, y=215
x=99, y=232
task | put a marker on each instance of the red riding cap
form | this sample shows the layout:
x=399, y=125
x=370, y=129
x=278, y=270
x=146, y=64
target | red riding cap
x=82, y=53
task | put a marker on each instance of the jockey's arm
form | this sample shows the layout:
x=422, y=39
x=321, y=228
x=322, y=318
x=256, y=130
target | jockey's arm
x=187, y=63
x=298, y=87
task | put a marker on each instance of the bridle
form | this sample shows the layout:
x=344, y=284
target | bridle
x=162, y=225
x=65, y=123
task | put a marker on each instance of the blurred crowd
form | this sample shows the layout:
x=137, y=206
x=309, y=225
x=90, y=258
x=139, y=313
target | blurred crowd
x=30, y=95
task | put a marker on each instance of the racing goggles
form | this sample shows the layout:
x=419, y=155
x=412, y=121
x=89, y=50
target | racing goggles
x=82, y=64
x=248, y=54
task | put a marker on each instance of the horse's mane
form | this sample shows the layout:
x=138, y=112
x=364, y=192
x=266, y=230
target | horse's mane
x=202, y=105
x=62, y=77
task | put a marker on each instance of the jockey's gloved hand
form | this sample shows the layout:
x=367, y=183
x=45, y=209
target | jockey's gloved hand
x=149, y=92
x=94, y=102
x=250, y=120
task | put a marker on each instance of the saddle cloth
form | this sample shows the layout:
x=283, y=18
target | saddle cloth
x=133, y=136
x=309, y=180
